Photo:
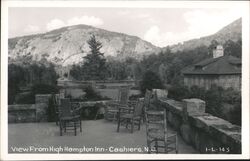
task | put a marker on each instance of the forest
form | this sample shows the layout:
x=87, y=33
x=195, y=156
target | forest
x=165, y=67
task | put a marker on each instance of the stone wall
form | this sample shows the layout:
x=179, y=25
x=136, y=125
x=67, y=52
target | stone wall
x=38, y=112
x=206, y=133
x=22, y=113
x=30, y=112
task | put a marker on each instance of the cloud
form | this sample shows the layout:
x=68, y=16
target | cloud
x=87, y=20
x=54, y=24
x=31, y=29
x=159, y=38
x=202, y=23
x=199, y=23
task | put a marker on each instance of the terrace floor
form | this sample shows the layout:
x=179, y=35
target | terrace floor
x=98, y=136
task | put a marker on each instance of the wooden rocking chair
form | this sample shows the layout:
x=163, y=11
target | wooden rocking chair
x=69, y=119
x=159, y=139
x=112, y=108
x=130, y=115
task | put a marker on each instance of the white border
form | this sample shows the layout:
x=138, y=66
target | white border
x=243, y=5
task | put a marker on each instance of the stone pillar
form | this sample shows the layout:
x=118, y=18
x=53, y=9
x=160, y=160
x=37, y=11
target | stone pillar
x=42, y=104
x=191, y=107
x=160, y=94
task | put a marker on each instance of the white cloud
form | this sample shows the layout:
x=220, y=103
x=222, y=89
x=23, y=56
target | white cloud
x=158, y=38
x=199, y=23
x=87, y=20
x=54, y=24
x=31, y=29
x=202, y=23
x=152, y=34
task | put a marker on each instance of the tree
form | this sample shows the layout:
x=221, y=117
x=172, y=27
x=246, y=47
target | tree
x=163, y=72
x=233, y=48
x=151, y=81
x=94, y=67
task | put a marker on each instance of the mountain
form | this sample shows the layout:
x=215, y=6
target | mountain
x=232, y=32
x=67, y=45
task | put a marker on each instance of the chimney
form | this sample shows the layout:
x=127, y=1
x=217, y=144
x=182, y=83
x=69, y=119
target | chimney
x=218, y=51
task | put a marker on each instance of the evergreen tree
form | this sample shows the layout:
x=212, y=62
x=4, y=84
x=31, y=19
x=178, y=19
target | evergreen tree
x=94, y=67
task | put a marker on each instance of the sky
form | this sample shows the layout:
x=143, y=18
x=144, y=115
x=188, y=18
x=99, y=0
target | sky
x=160, y=26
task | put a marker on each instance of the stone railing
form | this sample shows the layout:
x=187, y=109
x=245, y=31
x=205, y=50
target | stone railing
x=108, y=83
x=206, y=133
x=38, y=112
x=22, y=113
x=30, y=112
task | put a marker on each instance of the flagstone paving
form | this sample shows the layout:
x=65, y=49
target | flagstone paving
x=98, y=136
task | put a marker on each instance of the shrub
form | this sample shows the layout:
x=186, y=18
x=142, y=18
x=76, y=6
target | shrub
x=44, y=89
x=93, y=95
x=36, y=89
x=197, y=92
x=25, y=98
x=178, y=92
x=213, y=100
x=235, y=115
x=150, y=81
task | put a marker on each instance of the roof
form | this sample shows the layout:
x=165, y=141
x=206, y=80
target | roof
x=220, y=65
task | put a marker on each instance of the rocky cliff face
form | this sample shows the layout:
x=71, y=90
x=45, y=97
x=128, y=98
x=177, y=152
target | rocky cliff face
x=68, y=45
x=232, y=32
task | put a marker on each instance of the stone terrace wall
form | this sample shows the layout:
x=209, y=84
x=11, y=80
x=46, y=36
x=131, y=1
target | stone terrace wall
x=30, y=112
x=22, y=113
x=206, y=133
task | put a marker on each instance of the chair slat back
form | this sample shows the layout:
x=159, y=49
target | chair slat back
x=138, y=108
x=65, y=108
x=148, y=96
x=123, y=95
x=156, y=120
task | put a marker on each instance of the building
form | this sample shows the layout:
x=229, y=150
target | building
x=223, y=71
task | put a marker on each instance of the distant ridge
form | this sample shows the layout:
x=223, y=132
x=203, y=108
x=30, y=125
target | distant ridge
x=233, y=32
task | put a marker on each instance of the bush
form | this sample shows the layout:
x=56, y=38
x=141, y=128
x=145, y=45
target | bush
x=150, y=81
x=44, y=89
x=235, y=115
x=178, y=92
x=93, y=95
x=215, y=98
x=197, y=92
x=29, y=98
x=25, y=98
